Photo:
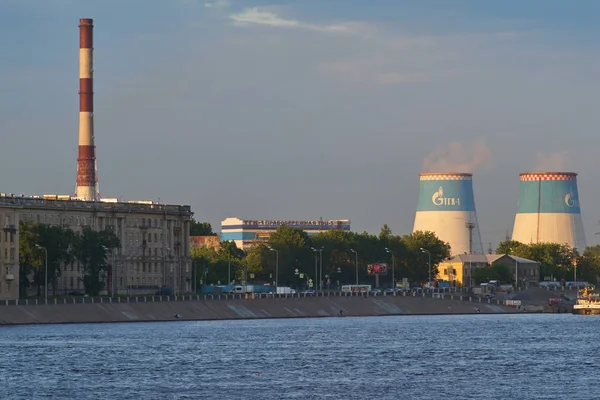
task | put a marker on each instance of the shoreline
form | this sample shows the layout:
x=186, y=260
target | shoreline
x=199, y=309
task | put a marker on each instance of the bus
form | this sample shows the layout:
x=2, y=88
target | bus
x=356, y=288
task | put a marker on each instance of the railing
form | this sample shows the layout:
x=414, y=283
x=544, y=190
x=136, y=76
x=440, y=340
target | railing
x=456, y=295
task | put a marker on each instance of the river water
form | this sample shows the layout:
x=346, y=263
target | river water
x=537, y=356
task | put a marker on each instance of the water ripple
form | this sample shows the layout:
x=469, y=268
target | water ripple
x=421, y=357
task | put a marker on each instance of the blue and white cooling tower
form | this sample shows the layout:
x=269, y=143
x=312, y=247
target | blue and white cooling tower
x=548, y=210
x=446, y=207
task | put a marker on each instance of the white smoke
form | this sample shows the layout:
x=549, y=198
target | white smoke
x=553, y=162
x=458, y=157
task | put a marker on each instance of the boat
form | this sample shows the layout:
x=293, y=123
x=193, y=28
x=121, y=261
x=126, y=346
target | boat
x=588, y=302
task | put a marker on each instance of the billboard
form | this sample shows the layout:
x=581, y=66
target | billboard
x=377, y=269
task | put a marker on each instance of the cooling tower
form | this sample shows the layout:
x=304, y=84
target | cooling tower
x=86, y=160
x=446, y=207
x=549, y=210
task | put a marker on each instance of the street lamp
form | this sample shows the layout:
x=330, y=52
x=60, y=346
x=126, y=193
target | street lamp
x=393, y=268
x=429, y=264
x=46, y=273
x=276, y=267
x=356, y=263
x=320, y=275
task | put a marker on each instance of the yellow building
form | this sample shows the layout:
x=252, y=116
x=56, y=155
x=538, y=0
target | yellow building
x=460, y=269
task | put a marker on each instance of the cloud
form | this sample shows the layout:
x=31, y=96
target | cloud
x=217, y=4
x=551, y=162
x=254, y=16
x=458, y=157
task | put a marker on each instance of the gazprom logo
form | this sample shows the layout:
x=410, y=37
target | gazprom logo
x=439, y=200
x=571, y=201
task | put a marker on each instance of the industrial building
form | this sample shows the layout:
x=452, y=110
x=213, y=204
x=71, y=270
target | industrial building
x=246, y=233
x=154, y=250
x=549, y=210
x=446, y=206
x=460, y=269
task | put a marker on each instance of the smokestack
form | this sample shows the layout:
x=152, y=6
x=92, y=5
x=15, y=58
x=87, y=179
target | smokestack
x=549, y=210
x=86, y=160
x=446, y=206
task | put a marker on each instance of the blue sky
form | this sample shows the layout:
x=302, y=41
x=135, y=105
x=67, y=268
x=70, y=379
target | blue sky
x=302, y=109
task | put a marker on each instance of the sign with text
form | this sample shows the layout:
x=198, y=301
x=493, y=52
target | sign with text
x=306, y=225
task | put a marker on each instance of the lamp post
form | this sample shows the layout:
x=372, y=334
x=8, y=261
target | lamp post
x=393, y=268
x=356, y=263
x=276, y=267
x=46, y=272
x=316, y=268
x=319, y=275
x=429, y=264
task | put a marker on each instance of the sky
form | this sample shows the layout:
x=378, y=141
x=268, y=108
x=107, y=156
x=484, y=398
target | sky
x=305, y=109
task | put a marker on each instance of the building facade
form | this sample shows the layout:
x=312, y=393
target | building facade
x=246, y=233
x=460, y=269
x=154, y=241
x=9, y=251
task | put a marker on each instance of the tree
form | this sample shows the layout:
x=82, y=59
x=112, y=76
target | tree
x=201, y=228
x=588, y=265
x=91, y=250
x=556, y=260
x=294, y=250
x=58, y=242
x=29, y=257
x=212, y=266
x=385, y=233
x=416, y=263
x=498, y=272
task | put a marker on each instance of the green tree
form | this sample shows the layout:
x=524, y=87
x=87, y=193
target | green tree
x=416, y=262
x=556, y=260
x=91, y=250
x=588, y=265
x=386, y=232
x=29, y=258
x=294, y=250
x=201, y=228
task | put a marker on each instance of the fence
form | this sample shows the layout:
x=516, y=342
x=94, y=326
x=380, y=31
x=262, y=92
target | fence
x=250, y=296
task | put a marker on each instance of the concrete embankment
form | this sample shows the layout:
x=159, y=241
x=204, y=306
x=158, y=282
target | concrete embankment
x=263, y=308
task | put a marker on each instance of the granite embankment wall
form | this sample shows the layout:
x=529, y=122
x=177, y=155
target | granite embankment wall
x=258, y=308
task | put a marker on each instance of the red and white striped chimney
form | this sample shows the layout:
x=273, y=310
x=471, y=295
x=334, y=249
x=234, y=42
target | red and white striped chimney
x=86, y=160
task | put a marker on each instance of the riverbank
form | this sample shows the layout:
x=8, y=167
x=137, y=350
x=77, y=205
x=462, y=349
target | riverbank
x=242, y=308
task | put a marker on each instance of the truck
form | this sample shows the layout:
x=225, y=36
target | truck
x=242, y=289
x=285, y=290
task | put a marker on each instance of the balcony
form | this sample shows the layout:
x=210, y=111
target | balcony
x=10, y=277
x=10, y=228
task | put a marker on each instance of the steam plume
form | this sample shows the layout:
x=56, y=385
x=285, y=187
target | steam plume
x=458, y=157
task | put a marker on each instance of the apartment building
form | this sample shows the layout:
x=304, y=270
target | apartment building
x=154, y=249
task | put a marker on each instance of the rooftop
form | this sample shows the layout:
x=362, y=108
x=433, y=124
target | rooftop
x=65, y=202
